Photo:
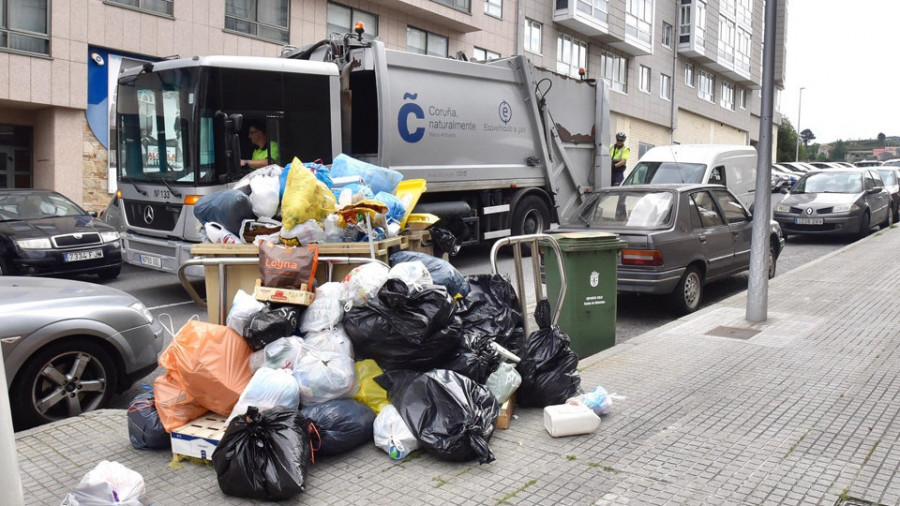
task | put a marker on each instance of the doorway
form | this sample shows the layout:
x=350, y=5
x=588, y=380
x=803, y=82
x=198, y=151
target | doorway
x=16, y=154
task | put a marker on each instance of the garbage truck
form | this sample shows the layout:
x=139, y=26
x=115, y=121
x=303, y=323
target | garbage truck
x=507, y=147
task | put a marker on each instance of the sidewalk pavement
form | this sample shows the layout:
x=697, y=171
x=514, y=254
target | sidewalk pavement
x=806, y=411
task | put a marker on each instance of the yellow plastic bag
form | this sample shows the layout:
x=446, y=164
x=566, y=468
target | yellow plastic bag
x=305, y=197
x=370, y=393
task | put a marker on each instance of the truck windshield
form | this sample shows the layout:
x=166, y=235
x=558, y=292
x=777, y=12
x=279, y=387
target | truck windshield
x=637, y=209
x=665, y=172
x=154, y=112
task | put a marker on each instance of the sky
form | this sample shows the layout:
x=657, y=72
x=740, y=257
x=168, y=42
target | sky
x=845, y=55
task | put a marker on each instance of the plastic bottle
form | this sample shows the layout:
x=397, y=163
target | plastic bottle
x=218, y=234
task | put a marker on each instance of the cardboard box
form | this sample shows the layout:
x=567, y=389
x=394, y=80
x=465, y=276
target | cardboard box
x=506, y=412
x=199, y=437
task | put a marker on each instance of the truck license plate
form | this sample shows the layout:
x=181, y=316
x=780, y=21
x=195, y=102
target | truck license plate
x=809, y=221
x=150, y=261
x=83, y=255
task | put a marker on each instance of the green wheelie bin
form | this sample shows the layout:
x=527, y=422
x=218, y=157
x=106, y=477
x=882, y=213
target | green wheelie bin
x=588, y=313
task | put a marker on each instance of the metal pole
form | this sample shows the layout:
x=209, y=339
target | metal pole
x=758, y=289
x=10, y=484
x=799, y=109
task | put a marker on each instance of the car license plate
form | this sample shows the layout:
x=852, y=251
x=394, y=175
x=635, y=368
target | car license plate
x=809, y=221
x=151, y=261
x=83, y=255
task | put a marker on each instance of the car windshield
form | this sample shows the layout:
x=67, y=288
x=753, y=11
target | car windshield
x=829, y=182
x=638, y=209
x=33, y=205
x=665, y=172
x=888, y=176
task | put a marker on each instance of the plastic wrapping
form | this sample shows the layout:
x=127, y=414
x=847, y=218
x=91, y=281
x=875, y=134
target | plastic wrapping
x=362, y=284
x=491, y=308
x=378, y=178
x=271, y=324
x=282, y=353
x=326, y=310
x=405, y=329
x=342, y=424
x=396, y=209
x=264, y=455
x=412, y=273
x=228, y=207
x=267, y=389
x=325, y=375
x=305, y=198
x=598, y=400
x=334, y=340
x=441, y=271
x=174, y=406
x=370, y=392
x=504, y=381
x=110, y=483
x=145, y=430
x=242, y=310
x=548, y=366
x=452, y=416
x=305, y=233
x=392, y=435
x=211, y=361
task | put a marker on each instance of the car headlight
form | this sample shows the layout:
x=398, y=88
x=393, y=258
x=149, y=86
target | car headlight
x=781, y=208
x=109, y=236
x=42, y=243
x=845, y=208
x=141, y=308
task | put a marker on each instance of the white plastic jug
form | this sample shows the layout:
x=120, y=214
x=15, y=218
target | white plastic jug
x=218, y=234
x=570, y=420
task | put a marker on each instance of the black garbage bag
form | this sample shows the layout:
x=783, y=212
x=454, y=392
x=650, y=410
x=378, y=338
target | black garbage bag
x=476, y=358
x=405, y=328
x=451, y=416
x=264, y=455
x=270, y=324
x=342, y=424
x=442, y=272
x=448, y=235
x=492, y=308
x=549, y=366
x=226, y=207
x=145, y=430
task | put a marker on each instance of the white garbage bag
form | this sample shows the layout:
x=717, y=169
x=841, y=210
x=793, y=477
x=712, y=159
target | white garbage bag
x=334, y=340
x=326, y=311
x=363, y=283
x=412, y=273
x=242, y=309
x=110, y=483
x=325, y=375
x=267, y=389
x=281, y=353
x=265, y=194
x=392, y=434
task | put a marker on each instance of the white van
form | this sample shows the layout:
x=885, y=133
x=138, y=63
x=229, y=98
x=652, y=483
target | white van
x=731, y=166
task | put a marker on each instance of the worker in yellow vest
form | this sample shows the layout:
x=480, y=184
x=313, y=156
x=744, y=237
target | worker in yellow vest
x=618, y=153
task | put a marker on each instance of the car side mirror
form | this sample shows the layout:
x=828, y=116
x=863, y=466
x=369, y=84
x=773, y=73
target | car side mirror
x=871, y=191
x=92, y=214
x=785, y=190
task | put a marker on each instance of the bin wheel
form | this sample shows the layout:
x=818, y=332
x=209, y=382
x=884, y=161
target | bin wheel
x=689, y=291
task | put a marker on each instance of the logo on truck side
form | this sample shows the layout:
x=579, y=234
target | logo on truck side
x=410, y=108
x=505, y=112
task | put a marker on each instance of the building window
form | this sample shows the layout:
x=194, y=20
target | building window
x=484, y=54
x=571, y=54
x=727, y=101
x=706, y=90
x=340, y=19
x=460, y=5
x=742, y=52
x=494, y=8
x=16, y=148
x=727, y=7
x=700, y=29
x=666, y=34
x=265, y=19
x=532, y=36
x=639, y=19
x=665, y=87
x=742, y=98
x=422, y=42
x=614, y=70
x=689, y=74
x=643, y=147
x=25, y=26
x=726, y=40
x=597, y=9
x=744, y=12
x=684, y=28
x=163, y=7
x=644, y=79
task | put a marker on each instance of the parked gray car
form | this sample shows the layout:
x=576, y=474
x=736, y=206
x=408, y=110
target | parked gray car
x=835, y=201
x=678, y=237
x=68, y=346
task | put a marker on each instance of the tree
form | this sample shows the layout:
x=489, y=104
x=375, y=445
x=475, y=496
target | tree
x=787, y=142
x=881, y=138
x=838, y=151
x=806, y=136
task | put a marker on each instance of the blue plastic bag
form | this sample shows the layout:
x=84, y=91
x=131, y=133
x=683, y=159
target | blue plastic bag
x=396, y=209
x=442, y=272
x=378, y=178
x=226, y=207
x=354, y=189
x=342, y=424
x=320, y=171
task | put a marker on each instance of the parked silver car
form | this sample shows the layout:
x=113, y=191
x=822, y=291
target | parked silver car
x=68, y=346
x=678, y=237
x=835, y=201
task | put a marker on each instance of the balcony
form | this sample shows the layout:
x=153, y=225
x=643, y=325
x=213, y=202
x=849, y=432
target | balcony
x=590, y=18
x=447, y=13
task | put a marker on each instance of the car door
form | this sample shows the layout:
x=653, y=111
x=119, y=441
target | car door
x=713, y=235
x=878, y=200
x=741, y=225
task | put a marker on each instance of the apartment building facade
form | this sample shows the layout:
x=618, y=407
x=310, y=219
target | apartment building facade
x=682, y=71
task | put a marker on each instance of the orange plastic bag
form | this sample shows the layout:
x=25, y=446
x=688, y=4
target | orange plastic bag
x=212, y=362
x=174, y=406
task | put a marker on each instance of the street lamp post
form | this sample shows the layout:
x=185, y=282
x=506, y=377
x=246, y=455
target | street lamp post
x=799, y=109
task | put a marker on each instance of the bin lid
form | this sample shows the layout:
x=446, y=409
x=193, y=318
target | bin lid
x=588, y=241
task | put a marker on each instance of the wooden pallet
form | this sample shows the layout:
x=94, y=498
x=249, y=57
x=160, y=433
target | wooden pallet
x=300, y=297
x=506, y=412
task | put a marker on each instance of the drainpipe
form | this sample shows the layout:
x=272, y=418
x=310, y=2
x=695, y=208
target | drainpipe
x=519, y=27
x=675, y=43
x=10, y=484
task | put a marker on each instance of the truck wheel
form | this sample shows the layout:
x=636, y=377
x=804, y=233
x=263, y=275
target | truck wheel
x=531, y=216
x=688, y=293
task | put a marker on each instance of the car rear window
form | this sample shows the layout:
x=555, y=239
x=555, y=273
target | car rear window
x=888, y=176
x=665, y=172
x=630, y=209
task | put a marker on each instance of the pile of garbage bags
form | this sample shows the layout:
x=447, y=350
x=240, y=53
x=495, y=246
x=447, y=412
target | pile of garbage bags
x=304, y=203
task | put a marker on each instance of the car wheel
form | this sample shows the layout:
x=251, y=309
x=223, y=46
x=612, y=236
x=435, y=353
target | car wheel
x=3, y=269
x=64, y=379
x=772, y=261
x=689, y=291
x=897, y=213
x=865, y=225
x=110, y=272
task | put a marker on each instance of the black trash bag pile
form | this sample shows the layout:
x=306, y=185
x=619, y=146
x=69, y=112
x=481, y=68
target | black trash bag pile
x=476, y=358
x=548, y=366
x=491, y=308
x=264, y=455
x=405, y=327
x=270, y=324
x=451, y=416
x=342, y=424
x=145, y=430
